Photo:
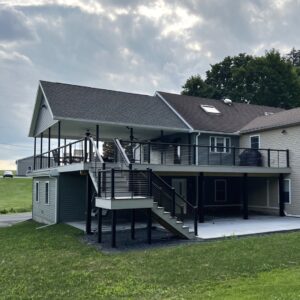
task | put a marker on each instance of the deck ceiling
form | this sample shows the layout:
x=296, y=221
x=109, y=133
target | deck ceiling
x=77, y=130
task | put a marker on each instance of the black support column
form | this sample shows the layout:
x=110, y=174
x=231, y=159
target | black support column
x=245, y=196
x=113, y=228
x=99, y=225
x=149, y=225
x=200, y=198
x=97, y=136
x=58, y=141
x=132, y=224
x=281, y=196
x=34, y=154
x=88, y=209
x=49, y=145
x=41, y=152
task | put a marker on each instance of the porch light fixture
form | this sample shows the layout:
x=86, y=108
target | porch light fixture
x=210, y=109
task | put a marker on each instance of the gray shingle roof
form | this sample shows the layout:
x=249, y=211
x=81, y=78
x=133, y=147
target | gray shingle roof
x=232, y=118
x=85, y=103
x=280, y=119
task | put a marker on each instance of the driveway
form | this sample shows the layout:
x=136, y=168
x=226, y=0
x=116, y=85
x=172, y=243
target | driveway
x=10, y=219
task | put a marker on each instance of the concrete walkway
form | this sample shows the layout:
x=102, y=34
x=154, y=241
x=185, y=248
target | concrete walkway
x=10, y=219
x=226, y=227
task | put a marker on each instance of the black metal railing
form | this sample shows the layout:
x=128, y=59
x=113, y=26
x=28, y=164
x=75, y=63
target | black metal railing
x=166, y=196
x=74, y=152
x=115, y=183
x=186, y=154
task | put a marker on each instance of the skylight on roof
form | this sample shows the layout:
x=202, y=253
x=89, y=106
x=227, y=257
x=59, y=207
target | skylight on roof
x=210, y=109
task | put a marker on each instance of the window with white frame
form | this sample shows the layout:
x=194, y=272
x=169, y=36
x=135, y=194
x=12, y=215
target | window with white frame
x=255, y=141
x=47, y=192
x=37, y=191
x=220, y=144
x=287, y=191
x=220, y=190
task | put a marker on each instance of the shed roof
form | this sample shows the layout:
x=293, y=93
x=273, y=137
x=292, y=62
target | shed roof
x=281, y=119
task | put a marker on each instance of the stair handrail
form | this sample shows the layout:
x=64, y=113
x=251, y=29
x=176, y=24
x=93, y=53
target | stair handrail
x=194, y=207
x=123, y=153
x=171, y=188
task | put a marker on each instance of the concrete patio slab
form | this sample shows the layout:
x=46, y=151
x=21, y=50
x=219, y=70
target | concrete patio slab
x=226, y=227
x=10, y=219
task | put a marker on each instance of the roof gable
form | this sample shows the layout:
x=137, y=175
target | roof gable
x=74, y=102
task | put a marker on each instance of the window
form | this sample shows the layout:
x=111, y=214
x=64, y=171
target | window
x=47, y=192
x=210, y=109
x=255, y=141
x=220, y=144
x=37, y=191
x=287, y=191
x=220, y=190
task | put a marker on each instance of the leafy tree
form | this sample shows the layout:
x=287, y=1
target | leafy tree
x=267, y=80
x=195, y=86
x=294, y=57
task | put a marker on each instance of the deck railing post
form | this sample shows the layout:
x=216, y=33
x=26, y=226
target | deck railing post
x=233, y=155
x=173, y=203
x=112, y=193
x=58, y=142
x=269, y=158
x=287, y=158
x=99, y=184
x=194, y=154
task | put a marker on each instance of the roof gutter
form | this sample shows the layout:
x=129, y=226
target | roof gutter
x=123, y=124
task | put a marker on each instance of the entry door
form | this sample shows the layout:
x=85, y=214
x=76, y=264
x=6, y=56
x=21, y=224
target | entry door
x=180, y=186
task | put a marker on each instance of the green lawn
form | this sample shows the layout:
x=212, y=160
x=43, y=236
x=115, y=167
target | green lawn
x=15, y=195
x=53, y=263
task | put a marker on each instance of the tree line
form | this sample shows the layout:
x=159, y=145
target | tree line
x=272, y=79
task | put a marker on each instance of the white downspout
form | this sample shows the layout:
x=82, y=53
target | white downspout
x=197, y=150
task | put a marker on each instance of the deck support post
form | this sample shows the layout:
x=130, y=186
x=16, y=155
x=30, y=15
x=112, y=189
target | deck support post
x=113, y=228
x=200, y=198
x=49, y=146
x=88, y=224
x=132, y=224
x=245, y=196
x=99, y=225
x=41, y=151
x=281, y=196
x=34, y=154
x=58, y=141
x=149, y=225
x=161, y=152
x=190, y=148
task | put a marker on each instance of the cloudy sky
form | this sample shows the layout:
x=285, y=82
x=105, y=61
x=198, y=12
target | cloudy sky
x=130, y=45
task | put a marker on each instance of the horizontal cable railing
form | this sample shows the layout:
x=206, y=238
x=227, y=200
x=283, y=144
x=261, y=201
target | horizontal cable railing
x=129, y=184
x=67, y=154
x=186, y=154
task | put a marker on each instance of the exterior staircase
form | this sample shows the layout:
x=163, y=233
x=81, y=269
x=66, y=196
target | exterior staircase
x=122, y=192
